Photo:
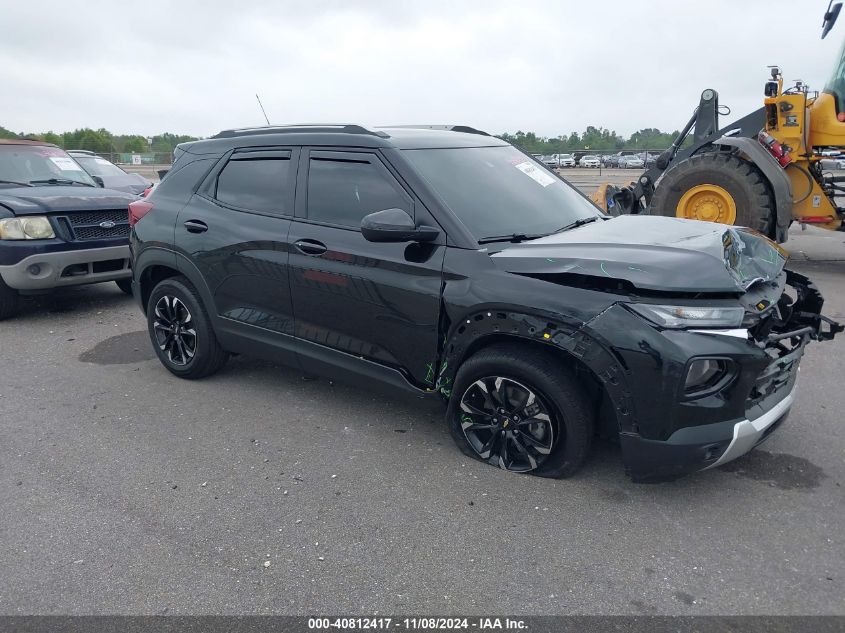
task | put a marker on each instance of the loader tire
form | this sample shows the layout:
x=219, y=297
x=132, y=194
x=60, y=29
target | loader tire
x=716, y=188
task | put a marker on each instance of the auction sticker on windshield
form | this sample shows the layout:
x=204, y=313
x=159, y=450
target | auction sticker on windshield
x=535, y=173
x=64, y=163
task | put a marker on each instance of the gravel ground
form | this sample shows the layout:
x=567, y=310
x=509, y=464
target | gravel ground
x=126, y=490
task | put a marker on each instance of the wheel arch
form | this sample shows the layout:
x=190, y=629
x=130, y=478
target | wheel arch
x=774, y=174
x=154, y=265
x=594, y=367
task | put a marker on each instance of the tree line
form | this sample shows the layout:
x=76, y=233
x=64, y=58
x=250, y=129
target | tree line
x=104, y=142
x=593, y=138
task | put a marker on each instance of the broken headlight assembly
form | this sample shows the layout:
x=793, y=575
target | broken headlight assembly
x=33, y=227
x=678, y=317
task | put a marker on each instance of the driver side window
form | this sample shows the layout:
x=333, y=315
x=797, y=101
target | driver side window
x=342, y=191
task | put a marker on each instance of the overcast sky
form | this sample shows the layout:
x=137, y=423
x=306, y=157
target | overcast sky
x=551, y=66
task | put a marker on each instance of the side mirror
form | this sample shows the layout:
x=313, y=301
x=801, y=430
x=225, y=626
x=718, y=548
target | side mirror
x=98, y=180
x=394, y=225
x=830, y=17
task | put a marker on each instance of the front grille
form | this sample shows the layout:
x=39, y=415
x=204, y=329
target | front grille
x=85, y=225
x=777, y=374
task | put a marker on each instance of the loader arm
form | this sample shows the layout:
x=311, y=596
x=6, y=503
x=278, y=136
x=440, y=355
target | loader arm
x=704, y=126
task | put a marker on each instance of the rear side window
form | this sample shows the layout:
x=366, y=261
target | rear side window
x=343, y=191
x=257, y=184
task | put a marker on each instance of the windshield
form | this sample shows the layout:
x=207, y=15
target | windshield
x=500, y=191
x=97, y=166
x=836, y=83
x=25, y=163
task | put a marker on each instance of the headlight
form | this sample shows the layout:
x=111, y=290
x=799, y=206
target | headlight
x=33, y=227
x=688, y=316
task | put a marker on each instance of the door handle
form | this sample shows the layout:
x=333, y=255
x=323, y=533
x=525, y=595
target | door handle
x=310, y=247
x=195, y=226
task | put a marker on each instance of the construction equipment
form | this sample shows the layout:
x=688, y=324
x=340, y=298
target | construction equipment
x=763, y=171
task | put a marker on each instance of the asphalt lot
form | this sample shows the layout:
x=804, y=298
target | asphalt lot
x=126, y=490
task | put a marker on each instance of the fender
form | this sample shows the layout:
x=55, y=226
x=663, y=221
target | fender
x=157, y=256
x=546, y=329
x=774, y=173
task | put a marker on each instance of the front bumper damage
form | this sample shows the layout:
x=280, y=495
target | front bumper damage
x=671, y=440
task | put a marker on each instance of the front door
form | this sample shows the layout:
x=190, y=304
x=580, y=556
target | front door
x=376, y=302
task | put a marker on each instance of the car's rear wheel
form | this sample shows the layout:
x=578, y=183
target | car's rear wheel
x=181, y=332
x=125, y=285
x=519, y=409
x=9, y=301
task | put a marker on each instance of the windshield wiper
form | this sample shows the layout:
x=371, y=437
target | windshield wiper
x=15, y=182
x=59, y=181
x=513, y=237
x=577, y=223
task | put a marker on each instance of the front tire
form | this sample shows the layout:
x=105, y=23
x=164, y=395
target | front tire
x=181, y=332
x=125, y=285
x=520, y=409
x=9, y=301
x=717, y=188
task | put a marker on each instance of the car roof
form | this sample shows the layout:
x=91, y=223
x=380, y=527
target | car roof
x=347, y=135
x=25, y=141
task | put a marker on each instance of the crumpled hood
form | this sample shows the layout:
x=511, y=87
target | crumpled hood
x=60, y=199
x=652, y=253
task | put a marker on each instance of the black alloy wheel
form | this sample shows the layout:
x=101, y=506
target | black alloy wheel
x=519, y=408
x=181, y=332
x=174, y=330
x=507, y=423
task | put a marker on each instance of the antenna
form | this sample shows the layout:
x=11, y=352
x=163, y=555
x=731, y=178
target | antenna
x=262, y=108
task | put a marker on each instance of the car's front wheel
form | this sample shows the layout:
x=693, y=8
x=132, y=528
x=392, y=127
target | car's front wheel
x=181, y=331
x=521, y=410
x=125, y=285
x=9, y=301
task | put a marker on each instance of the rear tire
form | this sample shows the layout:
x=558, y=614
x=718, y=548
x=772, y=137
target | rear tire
x=9, y=301
x=556, y=433
x=755, y=207
x=181, y=332
x=125, y=285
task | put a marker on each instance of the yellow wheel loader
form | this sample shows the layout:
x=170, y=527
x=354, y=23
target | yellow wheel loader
x=763, y=171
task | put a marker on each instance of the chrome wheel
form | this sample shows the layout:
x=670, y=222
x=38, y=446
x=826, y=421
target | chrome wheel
x=174, y=331
x=507, y=423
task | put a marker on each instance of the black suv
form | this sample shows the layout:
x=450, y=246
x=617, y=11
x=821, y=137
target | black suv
x=447, y=263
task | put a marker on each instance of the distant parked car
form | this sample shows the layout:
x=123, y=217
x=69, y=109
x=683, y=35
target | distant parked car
x=651, y=158
x=630, y=162
x=565, y=160
x=589, y=160
x=108, y=174
x=550, y=161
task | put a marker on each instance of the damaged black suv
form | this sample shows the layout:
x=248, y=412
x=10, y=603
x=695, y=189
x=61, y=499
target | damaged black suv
x=446, y=262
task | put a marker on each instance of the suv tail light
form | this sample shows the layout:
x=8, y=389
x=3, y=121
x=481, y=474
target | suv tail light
x=138, y=210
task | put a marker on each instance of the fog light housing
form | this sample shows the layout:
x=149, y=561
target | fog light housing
x=34, y=269
x=703, y=374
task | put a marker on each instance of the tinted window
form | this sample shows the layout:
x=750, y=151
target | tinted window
x=260, y=184
x=97, y=166
x=344, y=191
x=498, y=191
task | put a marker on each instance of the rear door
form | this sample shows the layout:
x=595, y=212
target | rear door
x=377, y=302
x=235, y=231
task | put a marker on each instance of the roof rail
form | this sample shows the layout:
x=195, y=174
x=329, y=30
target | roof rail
x=466, y=129
x=81, y=151
x=292, y=129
